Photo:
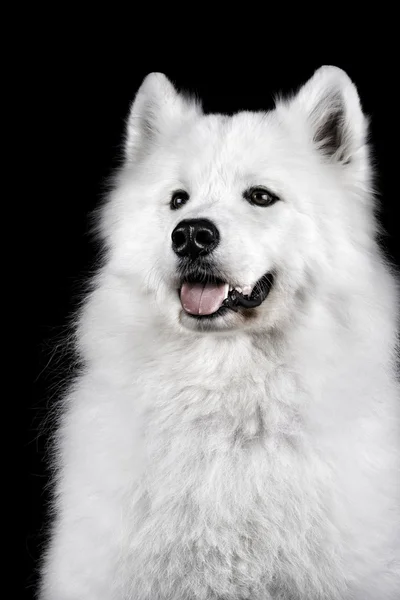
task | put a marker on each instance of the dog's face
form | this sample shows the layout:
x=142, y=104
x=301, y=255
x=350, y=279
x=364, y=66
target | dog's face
x=221, y=222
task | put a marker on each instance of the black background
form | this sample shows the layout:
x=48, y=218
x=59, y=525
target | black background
x=79, y=95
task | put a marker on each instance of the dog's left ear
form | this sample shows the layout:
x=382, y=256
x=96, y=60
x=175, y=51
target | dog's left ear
x=157, y=110
x=334, y=115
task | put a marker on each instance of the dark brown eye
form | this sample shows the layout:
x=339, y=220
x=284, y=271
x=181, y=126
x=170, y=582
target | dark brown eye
x=179, y=198
x=260, y=196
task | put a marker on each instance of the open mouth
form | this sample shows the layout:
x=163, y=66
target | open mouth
x=211, y=297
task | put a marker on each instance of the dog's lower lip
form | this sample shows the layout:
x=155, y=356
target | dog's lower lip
x=218, y=313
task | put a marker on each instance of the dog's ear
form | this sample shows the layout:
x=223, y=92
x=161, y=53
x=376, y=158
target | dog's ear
x=156, y=110
x=335, y=119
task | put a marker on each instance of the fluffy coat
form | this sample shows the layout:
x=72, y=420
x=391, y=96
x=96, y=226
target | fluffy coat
x=258, y=458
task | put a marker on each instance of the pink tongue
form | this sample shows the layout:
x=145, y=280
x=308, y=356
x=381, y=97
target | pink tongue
x=202, y=299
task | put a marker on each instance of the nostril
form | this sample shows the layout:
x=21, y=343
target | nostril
x=179, y=238
x=204, y=237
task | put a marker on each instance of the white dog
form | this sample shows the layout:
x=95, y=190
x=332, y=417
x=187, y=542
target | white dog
x=234, y=432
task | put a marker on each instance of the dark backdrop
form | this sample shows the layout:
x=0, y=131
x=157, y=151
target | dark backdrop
x=80, y=95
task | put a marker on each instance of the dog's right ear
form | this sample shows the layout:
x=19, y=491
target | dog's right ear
x=156, y=110
x=331, y=107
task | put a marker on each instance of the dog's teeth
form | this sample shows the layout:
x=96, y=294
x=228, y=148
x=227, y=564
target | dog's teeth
x=230, y=288
x=247, y=290
x=226, y=290
x=238, y=289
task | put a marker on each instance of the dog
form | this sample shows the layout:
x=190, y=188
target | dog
x=234, y=432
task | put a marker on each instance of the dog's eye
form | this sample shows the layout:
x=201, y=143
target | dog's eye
x=179, y=198
x=260, y=196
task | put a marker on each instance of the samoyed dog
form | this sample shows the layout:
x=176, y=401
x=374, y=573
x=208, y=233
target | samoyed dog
x=234, y=432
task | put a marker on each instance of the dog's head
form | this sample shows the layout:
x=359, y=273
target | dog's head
x=223, y=222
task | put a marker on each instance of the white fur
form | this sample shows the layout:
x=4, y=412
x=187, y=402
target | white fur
x=259, y=460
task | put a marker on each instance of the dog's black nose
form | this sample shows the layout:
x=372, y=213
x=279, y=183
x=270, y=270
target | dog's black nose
x=194, y=237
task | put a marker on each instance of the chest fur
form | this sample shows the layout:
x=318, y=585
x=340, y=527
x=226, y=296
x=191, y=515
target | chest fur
x=231, y=487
